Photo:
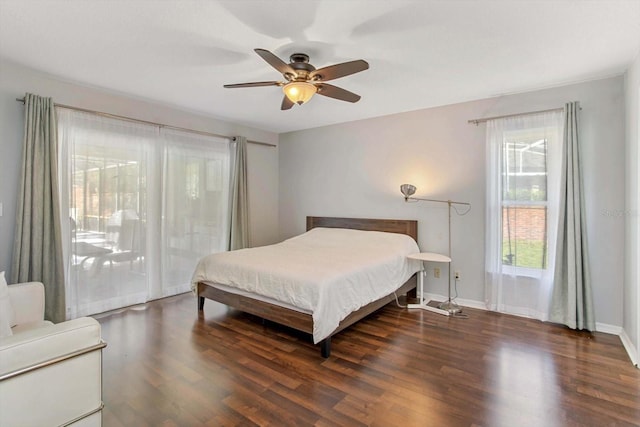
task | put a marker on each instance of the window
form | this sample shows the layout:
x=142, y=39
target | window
x=523, y=190
x=524, y=199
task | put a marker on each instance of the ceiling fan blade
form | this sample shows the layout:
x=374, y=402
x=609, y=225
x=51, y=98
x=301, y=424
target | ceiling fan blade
x=336, y=92
x=286, y=103
x=339, y=70
x=253, y=84
x=276, y=62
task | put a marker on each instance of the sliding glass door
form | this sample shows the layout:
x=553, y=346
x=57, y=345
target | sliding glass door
x=143, y=205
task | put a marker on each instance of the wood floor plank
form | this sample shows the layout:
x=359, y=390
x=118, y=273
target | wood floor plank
x=168, y=365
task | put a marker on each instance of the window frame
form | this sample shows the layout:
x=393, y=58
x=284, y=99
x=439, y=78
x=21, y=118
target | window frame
x=513, y=138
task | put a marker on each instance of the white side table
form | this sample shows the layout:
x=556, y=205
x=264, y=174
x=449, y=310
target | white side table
x=432, y=257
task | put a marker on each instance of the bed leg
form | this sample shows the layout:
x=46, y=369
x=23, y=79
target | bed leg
x=325, y=347
x=200, y=303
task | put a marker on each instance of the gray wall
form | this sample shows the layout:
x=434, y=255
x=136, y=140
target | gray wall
x=631, y=323
x=16, y=80
x=355, y=169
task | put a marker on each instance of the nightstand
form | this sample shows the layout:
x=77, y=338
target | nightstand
x=424, y=257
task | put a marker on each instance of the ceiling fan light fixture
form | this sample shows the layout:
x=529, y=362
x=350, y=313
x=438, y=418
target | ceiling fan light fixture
x=299, y=92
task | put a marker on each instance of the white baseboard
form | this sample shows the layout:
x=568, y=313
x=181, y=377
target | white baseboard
x=461, y=301
x=631, y=350
x=608, y=329
x=600, y=327
x=480, y=305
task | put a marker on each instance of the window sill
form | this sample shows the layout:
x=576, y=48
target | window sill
x=534, y=273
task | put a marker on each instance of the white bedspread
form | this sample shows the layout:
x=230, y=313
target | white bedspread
x=329, y=272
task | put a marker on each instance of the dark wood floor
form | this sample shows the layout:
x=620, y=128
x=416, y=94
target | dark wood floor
x=167, y=366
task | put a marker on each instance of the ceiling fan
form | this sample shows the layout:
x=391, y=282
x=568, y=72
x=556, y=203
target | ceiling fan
x=303, y=80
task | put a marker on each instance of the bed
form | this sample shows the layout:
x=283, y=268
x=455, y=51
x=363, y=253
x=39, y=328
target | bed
x=232, y=278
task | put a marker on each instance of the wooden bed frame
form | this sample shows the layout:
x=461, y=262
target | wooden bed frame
x=302, y=321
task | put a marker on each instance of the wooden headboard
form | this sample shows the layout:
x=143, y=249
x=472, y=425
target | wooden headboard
x=400, y=226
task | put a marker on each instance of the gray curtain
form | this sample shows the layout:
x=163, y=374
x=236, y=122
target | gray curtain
x=37, y=247
x=239, y=233
x=571, y=301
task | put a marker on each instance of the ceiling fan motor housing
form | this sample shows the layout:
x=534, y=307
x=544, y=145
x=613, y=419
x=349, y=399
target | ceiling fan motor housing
x=300, y=62
x=299, y=57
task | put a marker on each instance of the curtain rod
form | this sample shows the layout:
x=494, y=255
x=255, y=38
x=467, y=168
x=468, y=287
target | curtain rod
x=161, y=125
x=478, y=121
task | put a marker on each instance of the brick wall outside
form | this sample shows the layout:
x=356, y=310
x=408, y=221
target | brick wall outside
x=527, y=222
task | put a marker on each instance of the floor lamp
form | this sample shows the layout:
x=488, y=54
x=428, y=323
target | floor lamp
x=409, y=190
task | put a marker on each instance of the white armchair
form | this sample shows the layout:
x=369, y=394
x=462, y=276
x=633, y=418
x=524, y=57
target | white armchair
x=50, y=375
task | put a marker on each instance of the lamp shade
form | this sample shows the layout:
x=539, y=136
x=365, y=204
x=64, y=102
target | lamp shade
x=407, y=190
x=299, y=92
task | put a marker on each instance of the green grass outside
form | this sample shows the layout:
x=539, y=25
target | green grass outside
x=526, y=253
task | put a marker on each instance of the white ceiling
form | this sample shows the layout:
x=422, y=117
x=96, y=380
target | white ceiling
x=421, y=53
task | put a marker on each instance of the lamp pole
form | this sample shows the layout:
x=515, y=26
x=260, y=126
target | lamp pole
x=408, y=190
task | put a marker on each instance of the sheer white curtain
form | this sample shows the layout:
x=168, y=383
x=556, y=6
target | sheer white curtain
x=523, y=176
x=195, y=205
x=143, y=204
